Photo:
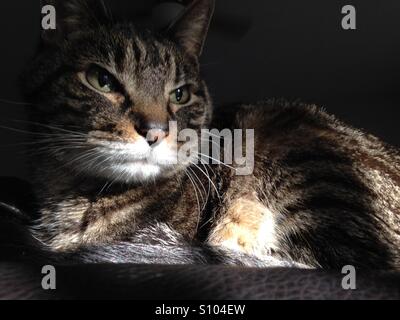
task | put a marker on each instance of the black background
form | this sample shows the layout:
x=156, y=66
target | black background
x=257, y=49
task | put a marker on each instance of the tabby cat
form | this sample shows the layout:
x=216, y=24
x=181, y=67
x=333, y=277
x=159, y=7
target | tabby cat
x=322, y=193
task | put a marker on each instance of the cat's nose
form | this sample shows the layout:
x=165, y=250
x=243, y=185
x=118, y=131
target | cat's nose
x=153, y=132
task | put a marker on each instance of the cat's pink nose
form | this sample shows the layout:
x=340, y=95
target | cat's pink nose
x=153, y=132
x=155, y=135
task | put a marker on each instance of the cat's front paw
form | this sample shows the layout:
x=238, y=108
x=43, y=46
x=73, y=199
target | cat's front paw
x=235, y=237
x=247, y=227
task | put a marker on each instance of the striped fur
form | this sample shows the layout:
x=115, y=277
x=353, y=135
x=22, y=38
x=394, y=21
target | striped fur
x=323, y=194
x=332, y=193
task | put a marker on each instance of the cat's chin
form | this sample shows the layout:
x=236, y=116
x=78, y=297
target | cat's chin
x=138, y=172
x=142, y=171
x=131, y=163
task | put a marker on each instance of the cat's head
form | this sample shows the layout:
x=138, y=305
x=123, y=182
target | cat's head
x=107, y=91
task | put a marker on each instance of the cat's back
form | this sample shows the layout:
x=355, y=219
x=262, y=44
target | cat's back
x=332, y=187
x=301, y=133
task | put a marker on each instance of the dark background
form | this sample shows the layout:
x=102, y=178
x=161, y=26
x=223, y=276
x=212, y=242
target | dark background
x=257, y=49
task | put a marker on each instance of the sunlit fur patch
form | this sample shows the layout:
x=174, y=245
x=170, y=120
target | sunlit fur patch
x=247, y=226
x=130, y=162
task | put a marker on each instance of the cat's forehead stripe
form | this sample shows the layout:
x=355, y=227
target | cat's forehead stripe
x=134, y=56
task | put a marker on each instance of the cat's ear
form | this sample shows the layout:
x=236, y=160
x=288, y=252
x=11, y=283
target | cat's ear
x=190, y=29
x=72, y=17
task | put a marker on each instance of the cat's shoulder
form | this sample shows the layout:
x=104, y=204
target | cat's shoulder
x=297, y=121
x=299, y=124
x=274, y=112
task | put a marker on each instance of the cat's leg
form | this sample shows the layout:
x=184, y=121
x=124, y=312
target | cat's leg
x=246, y=225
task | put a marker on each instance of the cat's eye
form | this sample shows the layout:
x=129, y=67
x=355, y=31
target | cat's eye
x=101, y=79
x=180, y=96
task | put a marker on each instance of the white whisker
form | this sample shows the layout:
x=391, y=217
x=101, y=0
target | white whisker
x=209, y=179
x=197, y=198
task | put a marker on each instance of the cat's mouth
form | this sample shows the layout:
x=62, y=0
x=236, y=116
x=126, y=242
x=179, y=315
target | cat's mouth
x=130, y=162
